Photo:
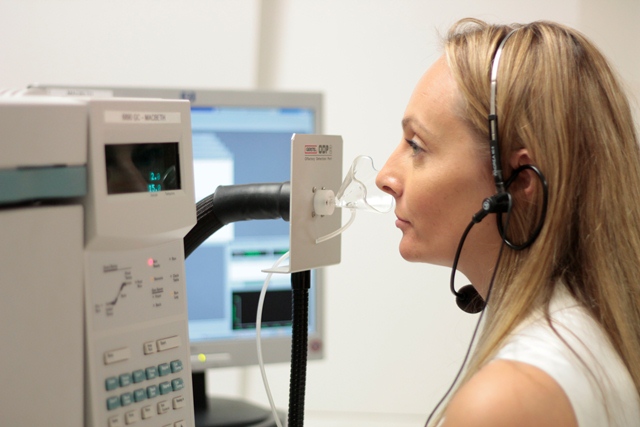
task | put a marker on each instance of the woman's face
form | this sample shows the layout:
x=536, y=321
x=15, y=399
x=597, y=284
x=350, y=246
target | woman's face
x=439, y=175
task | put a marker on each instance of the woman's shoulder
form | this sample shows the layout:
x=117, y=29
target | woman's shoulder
x=571, y=350
x=508, y=393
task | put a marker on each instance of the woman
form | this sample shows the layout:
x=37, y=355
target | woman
x=561, y=340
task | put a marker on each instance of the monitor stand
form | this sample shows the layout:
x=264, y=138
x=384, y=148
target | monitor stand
x=227, y=412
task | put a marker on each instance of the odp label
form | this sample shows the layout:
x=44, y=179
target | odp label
x=318, y=150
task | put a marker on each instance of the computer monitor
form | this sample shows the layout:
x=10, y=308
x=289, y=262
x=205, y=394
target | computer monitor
x=239, y=137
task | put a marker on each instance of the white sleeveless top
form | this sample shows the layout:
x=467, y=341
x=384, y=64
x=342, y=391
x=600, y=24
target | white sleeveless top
x=599, y=387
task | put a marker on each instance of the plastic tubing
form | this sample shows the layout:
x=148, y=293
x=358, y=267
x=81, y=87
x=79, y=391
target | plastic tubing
x=339, y=230
x=263, y=371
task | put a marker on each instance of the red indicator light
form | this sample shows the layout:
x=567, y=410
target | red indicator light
x=150, y=262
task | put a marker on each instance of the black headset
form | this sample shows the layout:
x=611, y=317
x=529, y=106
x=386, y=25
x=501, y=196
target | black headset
x=468, y=298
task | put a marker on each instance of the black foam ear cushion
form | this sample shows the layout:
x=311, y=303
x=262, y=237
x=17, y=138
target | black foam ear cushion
x=469, y=300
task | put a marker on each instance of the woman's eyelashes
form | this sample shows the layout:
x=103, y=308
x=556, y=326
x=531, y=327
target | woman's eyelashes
x=415, y=144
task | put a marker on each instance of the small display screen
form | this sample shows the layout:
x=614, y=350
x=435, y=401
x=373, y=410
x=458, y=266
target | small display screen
x=142, y=168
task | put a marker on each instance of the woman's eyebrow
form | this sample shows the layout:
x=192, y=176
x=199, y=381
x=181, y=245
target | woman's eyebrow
x=406, y=121
x=411, y=121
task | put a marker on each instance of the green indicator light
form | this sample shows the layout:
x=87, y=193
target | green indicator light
x=254, y=253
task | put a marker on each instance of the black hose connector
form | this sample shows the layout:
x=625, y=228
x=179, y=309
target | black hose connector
x=300, y=284
x=232, y=203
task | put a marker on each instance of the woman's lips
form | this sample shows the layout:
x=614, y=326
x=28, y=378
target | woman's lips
x=401, y=223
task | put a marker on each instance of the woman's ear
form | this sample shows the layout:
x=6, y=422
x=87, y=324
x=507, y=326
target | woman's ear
x=525, y=183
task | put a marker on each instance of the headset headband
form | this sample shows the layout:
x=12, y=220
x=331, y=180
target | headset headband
x=493, y=119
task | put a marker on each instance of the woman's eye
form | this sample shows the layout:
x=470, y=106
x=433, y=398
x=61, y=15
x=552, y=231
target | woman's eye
x=415, y=148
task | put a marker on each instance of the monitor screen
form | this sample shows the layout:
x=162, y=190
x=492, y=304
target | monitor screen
x=242, y=145
x=239, y=137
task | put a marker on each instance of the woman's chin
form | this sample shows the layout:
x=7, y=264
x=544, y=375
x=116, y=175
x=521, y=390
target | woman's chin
x=409, y=253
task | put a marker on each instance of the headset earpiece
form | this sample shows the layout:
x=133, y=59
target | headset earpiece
x=497, y=203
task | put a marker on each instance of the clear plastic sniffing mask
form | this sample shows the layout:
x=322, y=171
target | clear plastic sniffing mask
x=359, y=190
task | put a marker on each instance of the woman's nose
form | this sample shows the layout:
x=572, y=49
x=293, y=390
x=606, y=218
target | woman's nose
x=388, y=179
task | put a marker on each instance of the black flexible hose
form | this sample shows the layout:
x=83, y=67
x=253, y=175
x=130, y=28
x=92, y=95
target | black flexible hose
x=231, y=203
x=300, y=283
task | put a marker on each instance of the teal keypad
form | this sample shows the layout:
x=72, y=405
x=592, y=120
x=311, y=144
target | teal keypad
x=139, y=377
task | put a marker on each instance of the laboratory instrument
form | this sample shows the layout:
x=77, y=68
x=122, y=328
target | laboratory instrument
x=233, y=133
x=96, y=196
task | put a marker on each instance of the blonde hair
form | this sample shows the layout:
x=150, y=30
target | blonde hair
x=558, y=98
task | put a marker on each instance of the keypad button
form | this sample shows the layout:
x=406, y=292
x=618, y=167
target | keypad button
x=177, y=384
x=176, y=366
x=163, y=407
x=180, y=423
x=164, y=369
x=147, y=412
x=178, y=402
x=152, y=391
x=113, y=356
x=138, y=376
x=168, y=343
x=149, y=347
x=165, y=388
x=125, y=379
x=139, y=395
x=131, y=417
x=111, y=383
x=115, y=421
x=126, y=399
x=151, y=372
x=113, y=403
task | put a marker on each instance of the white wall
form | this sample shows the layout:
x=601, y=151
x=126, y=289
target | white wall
x=613, y=26
x=394, y=336
x=196, y=43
